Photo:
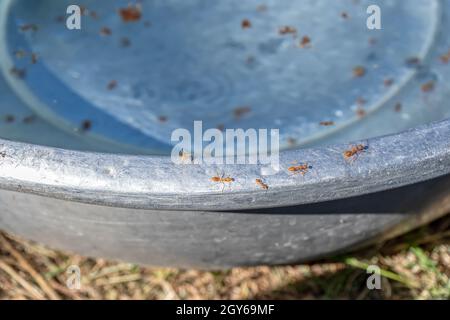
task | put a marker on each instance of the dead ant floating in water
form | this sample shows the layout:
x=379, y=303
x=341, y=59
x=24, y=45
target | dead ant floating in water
x=18, y=73
x=305, y=42
x=112, y=85
x=287, y=30
x=30, y=26
x=246, y=24
x=86, y=125
x=445, y=58
x=428, y=86
x=131, y=14
x=300, y=169
x=239, y=112
x=223, y=180
x=359, y=71
x=352, y=153
x=261, y=183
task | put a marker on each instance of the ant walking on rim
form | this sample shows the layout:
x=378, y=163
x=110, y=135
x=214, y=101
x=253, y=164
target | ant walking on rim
x=223, y=180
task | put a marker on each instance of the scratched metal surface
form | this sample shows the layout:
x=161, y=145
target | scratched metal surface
x=157, y=183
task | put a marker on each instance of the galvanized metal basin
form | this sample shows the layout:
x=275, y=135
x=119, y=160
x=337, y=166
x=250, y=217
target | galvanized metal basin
x=111, y=190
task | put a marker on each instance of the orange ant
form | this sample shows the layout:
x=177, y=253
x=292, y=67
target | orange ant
x=223, y=180
x=261, y=183
x=445, y=58
x=302, y=169
x=305, y=42
x=131, y=14
x=246, y=24
x=428, y=86
x=34, y=58
x=112, y=85
x=287, y=30
x=352, y=153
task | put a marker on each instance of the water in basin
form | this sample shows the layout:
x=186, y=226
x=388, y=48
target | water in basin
x=310, y=68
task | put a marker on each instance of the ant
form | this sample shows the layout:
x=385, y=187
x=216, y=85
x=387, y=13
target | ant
x=302, y=169
x=359, y=72
x=352, y=153
x=305, y=42
x=287, y=30
x=185, y=156
x=261, y=183
x=246, y=24
x=131, y=14
x=223, y=180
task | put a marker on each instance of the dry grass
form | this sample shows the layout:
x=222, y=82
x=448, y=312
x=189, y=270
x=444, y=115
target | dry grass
x=415, y=266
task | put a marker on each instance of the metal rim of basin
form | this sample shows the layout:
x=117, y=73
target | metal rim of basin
x=155, y=182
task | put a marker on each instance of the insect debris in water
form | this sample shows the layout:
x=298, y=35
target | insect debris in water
x=359, y=72
x=223, y=180
x=388, y=82
x=112, y=85
x=29, y=119
x=360, y=112
x=300, y=169
x=262, y=184
x=125, y=42
x=305, y=42
x=131, y=14
x=352, y=153
x=163, y=119
x=18, y=73
x=86, y=125
x=246, y=24
x=445, y=58
x=428, y=86
x=9, y=118
x=105, y=31
x=326, y=123
x=287, y=30
x=239, y=112
x=29, y=26
x=34, y=58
